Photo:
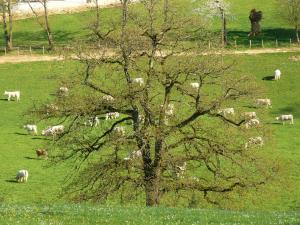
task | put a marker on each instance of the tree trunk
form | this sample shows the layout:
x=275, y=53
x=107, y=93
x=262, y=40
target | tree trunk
x=151, y=186
x=224, y=29
x=47, y=25
x=297, y=34
x=7, y=27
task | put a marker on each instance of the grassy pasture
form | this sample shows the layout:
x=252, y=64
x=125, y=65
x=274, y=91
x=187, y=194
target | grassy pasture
x=70, y=27
x=37, y=81
x=91, y=214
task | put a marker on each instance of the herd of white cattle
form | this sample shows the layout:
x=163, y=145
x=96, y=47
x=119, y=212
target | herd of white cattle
x=251, y=121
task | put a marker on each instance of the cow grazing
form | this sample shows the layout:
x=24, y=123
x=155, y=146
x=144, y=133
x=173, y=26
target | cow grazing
x=108, y=98
x=22, y=176
x=255, y=141
x=139, y=81
x=263, y=102
x=112, y=115
x=284, y=118
x=249, y=115
x=53, y=130
x=277, y=74
x=93, y=121
x=63, y=91
x=13, y=94
x=252, y=123
x=195, y=85
x=42, y=153
x=180, y=169
x=31, y=128
x=226, y=111
x=169, y=111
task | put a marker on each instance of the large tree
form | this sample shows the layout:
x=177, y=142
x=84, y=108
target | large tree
x=44, y=22
x=7, y=19
x=290, y=11
x=171, y=138
x=255, y=17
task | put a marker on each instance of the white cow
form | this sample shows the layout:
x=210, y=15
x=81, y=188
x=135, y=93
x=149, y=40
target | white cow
x=63, y=90
x=195, y=85
x=22, y=176
x=255, y=141
x=277, y=74
x=226, y=111
x=108, y=98
x=264, y=102
x=112, y=115
x=139, y=81
x=120, y=130
x=250, y=115
x=31, y=128
x=134, y=154
x=13, y=94
x=180, y=169
x=53, y=130
x=169, y=109
x=284, y=118
x=93, y=121
x=252, y=123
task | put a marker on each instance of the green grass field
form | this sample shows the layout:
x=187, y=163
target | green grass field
x=70, y=27
x=38, y=81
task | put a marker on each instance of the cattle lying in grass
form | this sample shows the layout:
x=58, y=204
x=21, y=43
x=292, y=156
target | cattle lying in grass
x=53, y=130
x=139, y=81
x=249, y=115
x=226, y=111
x=42, y=153
x=263, y=102
x=13, y=94
x=31, y=128
x=108, y=98
x=255, y=141
x=180, y=169
x=120, y=130
x=50, y=108
x=252, y=123
x=284, y=118
x=277, y=74
x=22, y=176
x=195, y=85
x=112, y=115
x=134, y=155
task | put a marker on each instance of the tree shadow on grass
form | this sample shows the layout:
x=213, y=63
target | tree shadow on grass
x=4, y=99
x=38, y=138
x=293, y=109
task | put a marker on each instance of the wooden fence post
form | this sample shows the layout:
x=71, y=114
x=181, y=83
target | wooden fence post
x=262, y=43
x=30, y=50
x=43, y=50
x=250, y=43
x=209, y=44
x=235, y=43
x=276, y=43
x=18, y=50
x=290, y=42
x=5, y=51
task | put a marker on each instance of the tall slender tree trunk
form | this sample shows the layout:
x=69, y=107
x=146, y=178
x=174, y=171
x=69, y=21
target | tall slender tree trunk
x=151, y=178
x=7, y=25
x=47, y=25
x=224, y=29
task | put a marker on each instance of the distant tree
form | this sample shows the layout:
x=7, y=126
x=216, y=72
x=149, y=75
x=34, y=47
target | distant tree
x=219, y=9
x=45, y=22
x=290, y=11
x=255, y=17
x=7, y=19
x=171, y=139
